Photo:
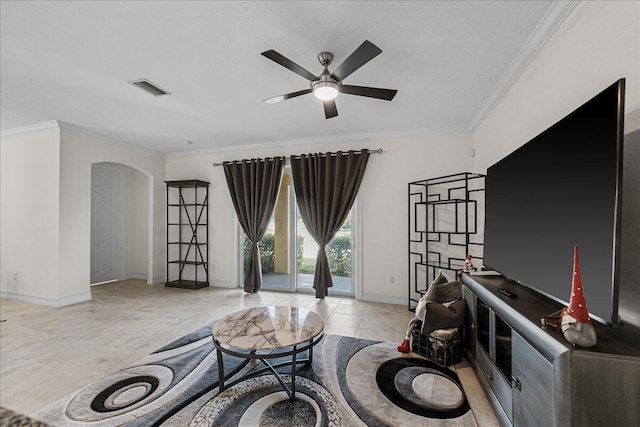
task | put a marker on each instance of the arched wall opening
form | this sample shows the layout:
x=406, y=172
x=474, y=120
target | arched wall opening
x=121, y=223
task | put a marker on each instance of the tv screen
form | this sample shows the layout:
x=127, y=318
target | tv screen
x=559, y=190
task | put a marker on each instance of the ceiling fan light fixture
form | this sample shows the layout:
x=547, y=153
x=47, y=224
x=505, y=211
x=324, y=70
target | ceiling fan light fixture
x=326, y=90
x=328, y=85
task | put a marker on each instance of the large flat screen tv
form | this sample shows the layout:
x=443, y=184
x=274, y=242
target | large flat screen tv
x=562, y=188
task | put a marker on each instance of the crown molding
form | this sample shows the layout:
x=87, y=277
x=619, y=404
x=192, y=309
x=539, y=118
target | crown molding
x=60, y=125
x=348, y=138
x=38, y=127
x=550, y=22
x=87, y=131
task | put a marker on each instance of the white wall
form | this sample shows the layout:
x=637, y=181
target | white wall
x=597, y=44
x=78, y=150
x=630, y=244
x=46, y=210
x=29, y=190
x=383, y=201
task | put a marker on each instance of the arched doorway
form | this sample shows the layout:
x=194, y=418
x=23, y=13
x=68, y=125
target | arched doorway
x=120, y=223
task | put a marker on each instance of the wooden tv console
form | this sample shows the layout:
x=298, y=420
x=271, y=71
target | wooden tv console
x=534, y=376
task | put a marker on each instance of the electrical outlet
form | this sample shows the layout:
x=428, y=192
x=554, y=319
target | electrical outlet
x=392, y=279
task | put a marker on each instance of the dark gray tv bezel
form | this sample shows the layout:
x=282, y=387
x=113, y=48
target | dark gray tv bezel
x=615, y=294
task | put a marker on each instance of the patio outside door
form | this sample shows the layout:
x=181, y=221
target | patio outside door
x=288, y=252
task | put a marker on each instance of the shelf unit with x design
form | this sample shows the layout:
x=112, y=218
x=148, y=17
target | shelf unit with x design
x=187, y=234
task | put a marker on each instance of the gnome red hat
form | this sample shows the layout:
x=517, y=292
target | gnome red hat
x=577, y=304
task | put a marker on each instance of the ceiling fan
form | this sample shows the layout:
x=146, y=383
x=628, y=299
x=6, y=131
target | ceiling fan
x=327, y=85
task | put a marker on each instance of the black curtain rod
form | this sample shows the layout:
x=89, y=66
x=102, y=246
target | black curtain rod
x=378, y=151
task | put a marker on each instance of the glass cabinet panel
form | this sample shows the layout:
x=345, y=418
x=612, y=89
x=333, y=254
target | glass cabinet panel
x=503, y=347
x=484, y=326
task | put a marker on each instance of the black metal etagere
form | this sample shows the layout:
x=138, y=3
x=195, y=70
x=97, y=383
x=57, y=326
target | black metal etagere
x=446, y=222
x=187, y=234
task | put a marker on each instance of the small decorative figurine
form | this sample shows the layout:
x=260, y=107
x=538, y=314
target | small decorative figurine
x=420, y=312
x=468, y=266
x=576, y=325
x=421, y=308
x=405, y=347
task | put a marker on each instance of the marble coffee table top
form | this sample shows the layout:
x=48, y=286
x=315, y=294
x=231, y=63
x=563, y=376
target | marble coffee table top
x=267, y=328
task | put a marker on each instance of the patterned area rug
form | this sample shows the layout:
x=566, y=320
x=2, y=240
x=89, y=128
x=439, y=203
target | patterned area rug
x=352, y=382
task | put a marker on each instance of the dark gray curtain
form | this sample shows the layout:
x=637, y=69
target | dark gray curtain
x=253, y=186
x=326, y=186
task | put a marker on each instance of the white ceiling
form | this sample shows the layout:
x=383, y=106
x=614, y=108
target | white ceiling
x=71, y=61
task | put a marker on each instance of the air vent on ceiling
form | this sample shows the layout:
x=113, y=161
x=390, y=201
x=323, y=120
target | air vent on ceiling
x=150, y=87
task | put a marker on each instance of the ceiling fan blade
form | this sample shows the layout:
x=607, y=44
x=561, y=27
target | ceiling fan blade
x=280, y=98
x=371, y=92
x=363, y=54
x=330, y=109
x=287, y=63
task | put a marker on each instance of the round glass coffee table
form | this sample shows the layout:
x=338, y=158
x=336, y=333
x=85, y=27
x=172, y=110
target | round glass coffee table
x=264, y=333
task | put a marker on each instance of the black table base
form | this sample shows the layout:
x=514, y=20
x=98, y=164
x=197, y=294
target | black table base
x=264, y=359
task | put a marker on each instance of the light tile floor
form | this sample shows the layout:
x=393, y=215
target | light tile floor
x=47, y=353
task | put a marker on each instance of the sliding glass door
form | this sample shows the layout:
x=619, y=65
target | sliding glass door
x=339, y=251
x=288, y=252
x=275, y=247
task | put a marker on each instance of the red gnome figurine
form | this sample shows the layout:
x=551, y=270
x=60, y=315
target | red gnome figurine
x=576, y=325
x=468, y=265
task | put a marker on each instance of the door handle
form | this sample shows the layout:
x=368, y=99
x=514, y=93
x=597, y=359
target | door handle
x=515, y=382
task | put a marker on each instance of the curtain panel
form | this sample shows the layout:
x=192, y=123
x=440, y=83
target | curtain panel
x=253, y=187
x=326, y=185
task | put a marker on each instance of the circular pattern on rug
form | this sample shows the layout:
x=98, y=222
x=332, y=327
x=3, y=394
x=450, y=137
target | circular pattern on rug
x=125, y=393
x=422, y=388
x=437, y=391
x=379, y=364
x=285, y=413
x=261, y=402
x=119, y=393
x=426, y=388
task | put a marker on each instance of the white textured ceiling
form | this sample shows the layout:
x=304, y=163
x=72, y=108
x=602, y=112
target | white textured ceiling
x=71, y=61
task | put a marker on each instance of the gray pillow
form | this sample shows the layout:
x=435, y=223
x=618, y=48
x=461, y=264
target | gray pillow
x=431, y=291
x=447, y=292
x=440, y=317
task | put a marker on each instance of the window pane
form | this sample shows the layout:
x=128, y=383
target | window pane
x=338, y=253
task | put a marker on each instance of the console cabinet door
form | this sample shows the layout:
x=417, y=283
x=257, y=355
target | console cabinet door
x=533, y=387
x=470, y=322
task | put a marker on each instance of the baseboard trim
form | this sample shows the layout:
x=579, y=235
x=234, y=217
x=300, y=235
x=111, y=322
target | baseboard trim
x=103, y=283
x=156, y=280
x=139, y=276
x=223, y=284
x=386, y=299
x=49, y=302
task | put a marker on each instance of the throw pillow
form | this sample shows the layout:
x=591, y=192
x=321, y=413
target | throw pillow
x=431, y=291
x=440, y=317
x=447, y=292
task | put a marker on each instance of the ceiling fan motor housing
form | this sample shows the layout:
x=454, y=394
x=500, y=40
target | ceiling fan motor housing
x=325, y=58
x=325, y=81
